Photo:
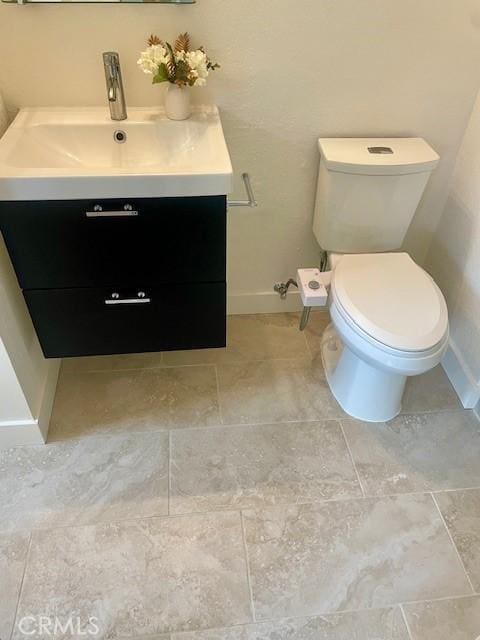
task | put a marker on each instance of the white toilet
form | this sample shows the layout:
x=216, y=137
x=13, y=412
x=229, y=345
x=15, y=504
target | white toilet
x=389, y=318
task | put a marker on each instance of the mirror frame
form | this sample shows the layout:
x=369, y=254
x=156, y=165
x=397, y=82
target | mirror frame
x=23, y=2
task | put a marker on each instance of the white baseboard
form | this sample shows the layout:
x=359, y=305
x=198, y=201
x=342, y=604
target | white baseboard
x=476, y=411
x=263, y=302
x=18, y=433
x=462, y=379
x=14, y=434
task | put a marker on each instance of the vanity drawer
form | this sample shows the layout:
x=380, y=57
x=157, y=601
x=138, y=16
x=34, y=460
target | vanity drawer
x=108, y=320
x=67, y=244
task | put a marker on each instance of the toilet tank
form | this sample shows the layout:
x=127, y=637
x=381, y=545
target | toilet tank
x=368, y=191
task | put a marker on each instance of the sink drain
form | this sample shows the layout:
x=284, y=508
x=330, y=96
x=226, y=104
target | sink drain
x=120, y=136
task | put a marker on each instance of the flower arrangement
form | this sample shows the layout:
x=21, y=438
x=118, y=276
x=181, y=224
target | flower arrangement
x=177, y=64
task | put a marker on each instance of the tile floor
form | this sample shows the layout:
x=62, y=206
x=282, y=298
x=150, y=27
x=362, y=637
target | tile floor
x=223, y=495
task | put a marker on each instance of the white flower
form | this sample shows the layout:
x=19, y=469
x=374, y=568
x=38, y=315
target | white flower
x=152, y=58
x=197, y=61
x=193, y=66
x=180, y=56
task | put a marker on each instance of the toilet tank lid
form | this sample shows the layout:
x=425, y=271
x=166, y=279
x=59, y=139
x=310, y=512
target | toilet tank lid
x=378, y=156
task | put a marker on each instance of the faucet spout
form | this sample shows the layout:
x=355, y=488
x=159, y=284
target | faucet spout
x=115, y=92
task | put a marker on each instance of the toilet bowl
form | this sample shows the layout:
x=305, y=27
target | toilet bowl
x=389, y=318
x=389, y=322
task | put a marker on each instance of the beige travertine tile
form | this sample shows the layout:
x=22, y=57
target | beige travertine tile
x=151, y=399
x=461, y=510
x=275, y=391
x=241, y=467
x=457, y=619
x=84, y=481
x=424, y=452
x=431, y=391
x=379, y=624
x=112, y=363
x=141, y=577
x=13, y=553
x=251, y=337
x=348, y=555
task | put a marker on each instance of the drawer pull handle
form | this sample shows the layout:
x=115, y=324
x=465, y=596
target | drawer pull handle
x=128, y=301
x=127, y=212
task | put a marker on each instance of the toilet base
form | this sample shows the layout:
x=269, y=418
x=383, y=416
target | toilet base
x=363, y=391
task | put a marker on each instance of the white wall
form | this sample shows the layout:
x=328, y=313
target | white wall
x=454, y=260
x=18, y=337
x=291, y=72
x=27, y=379
x=13, y=405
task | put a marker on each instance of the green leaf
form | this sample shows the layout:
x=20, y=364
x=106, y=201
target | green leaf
x=162, y=74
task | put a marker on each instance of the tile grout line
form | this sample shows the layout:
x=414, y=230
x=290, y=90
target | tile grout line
x=364, y=495
x=439, y=599
x=126, y=432
x=160, y=365
x=337, y=612
x=27, y=557
x=404, y=616
x=342, y=418
x=189, y=365
x=323, y=614
x=214, y=511
x=453, y=543
x=257, y=508
x=169, y=471
x=247, y=563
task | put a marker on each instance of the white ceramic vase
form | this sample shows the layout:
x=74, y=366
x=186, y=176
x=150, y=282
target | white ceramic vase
x=177, y=102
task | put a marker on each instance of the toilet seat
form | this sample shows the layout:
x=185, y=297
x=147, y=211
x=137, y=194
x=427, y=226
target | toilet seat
x=392, y=300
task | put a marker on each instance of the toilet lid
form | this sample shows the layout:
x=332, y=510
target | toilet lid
x=392, y=299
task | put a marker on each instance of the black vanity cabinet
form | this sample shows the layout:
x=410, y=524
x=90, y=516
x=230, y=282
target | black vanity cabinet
x=121, y=276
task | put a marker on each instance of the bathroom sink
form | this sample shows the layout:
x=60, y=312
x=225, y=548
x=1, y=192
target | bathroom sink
x=56, y=154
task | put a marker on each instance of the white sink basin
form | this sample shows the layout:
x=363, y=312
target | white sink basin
x=56, y=154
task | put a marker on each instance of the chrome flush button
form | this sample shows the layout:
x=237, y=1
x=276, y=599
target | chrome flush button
x=381, y=150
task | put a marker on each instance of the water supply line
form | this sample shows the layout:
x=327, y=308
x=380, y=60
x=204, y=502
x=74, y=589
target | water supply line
x=313, y=285
x=283, y=287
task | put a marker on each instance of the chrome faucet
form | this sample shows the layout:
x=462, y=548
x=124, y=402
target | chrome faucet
x=115, y=92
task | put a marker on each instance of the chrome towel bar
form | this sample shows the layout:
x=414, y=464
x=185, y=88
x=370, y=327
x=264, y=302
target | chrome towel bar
x=251, y=202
